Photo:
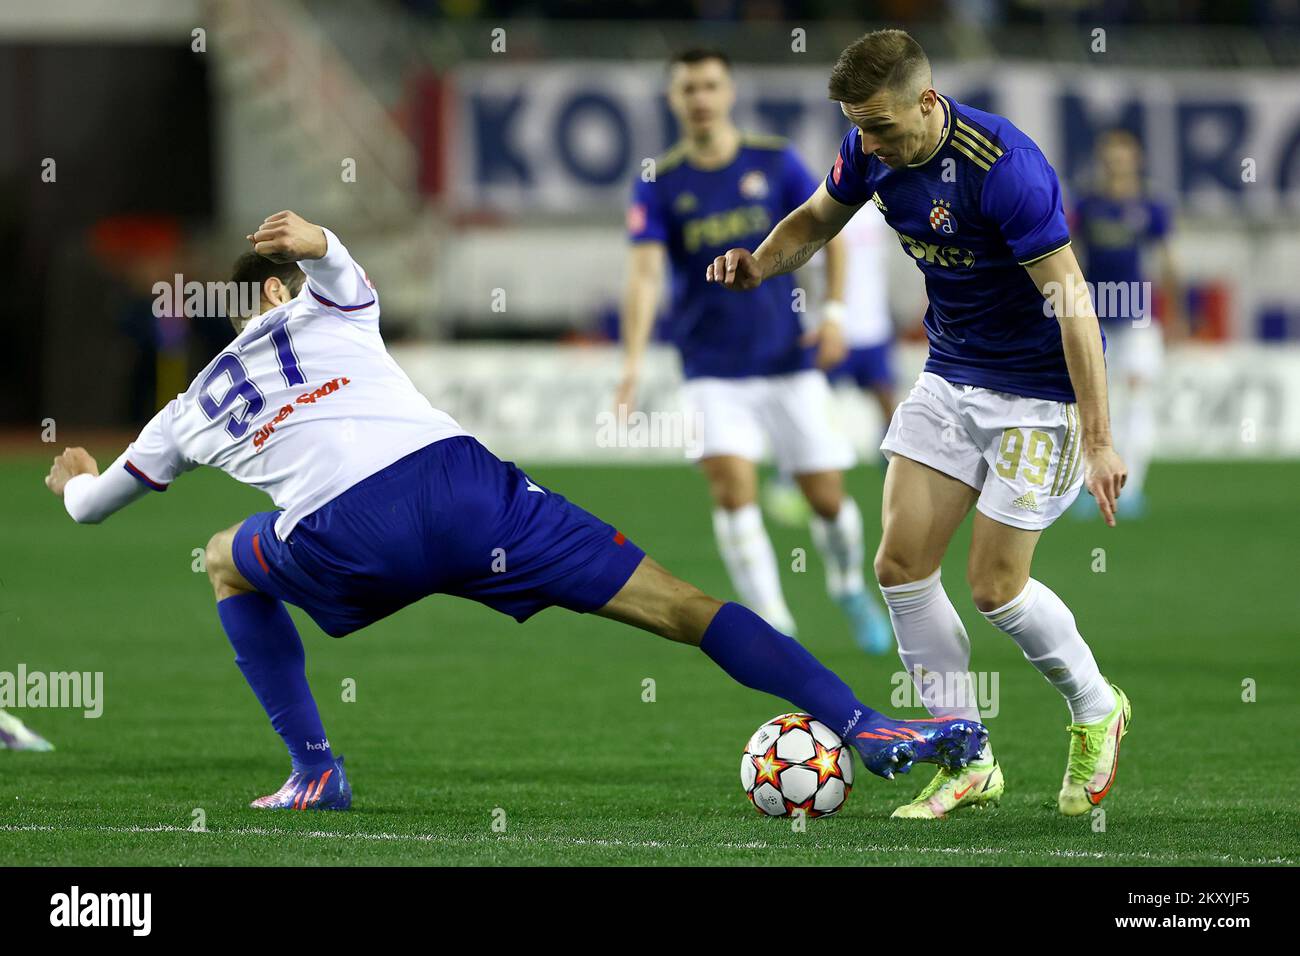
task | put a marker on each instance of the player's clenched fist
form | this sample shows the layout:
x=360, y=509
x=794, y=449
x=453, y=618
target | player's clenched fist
x=73, y=462
x=736, y=269
x=287, y=237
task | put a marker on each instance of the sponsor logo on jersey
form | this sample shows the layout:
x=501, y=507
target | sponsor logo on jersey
x=723, y=228
x=931, y=253
x=261, y=436
x=941, y=219
x=838, y=171
x=685, y=203
x=1113, y=233
x=753, y=185
x=880, y=203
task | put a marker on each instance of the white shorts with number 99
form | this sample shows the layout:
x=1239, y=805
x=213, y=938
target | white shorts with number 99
x=1022, y=454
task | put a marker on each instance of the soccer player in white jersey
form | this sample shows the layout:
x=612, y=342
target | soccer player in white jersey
x=752, y=380
x=1010, y=414
x=384, y=500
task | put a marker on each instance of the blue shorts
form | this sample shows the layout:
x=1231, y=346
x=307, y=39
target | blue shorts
x=451, y=518
x=869, y=367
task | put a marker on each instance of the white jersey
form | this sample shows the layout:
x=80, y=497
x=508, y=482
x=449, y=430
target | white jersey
x=866, y=289
x=303, y=404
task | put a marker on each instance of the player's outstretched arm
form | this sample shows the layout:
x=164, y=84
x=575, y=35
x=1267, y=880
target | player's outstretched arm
x=1061, y=282
x=150, y=463
x=793, y=242
x=645, y=276
x=89, y=496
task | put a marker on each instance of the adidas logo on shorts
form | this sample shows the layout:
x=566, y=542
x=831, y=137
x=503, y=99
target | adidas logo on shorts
x=1026, y=501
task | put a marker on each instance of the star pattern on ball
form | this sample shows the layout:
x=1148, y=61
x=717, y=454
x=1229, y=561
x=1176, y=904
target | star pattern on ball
x=806, y=807
x=826, y=762
x=790, y=721
x=768, y=768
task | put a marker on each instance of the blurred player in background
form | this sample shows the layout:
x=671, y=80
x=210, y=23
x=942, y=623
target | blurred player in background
x=869, y=336
x=868, y=328
x=15, y=735
x=748, y=361
x=1010, y=414
x=1116, y=222
x=386, y=500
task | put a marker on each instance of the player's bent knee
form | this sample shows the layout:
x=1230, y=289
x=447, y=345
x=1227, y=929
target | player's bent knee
x=894, y=568
x=990, y=592
x=731, y=499
x=215, y=558
x=824, y=492
x=732, y=483
x=826, y=504
x=731, y=494
x=219, y=561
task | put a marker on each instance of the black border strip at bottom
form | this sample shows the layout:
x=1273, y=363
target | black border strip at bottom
x=270, y=906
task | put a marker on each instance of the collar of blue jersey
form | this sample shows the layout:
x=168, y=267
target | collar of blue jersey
x=684, y=145
x=943, y=136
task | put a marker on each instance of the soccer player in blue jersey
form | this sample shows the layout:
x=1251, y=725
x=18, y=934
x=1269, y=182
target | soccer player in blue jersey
x=1117, y=224
x=383, y=500
x=747, y=360
x=1009, y=415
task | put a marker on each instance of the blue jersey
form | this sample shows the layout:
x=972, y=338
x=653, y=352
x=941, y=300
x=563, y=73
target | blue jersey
x=1113, y=233
x=699, y=214
x=973, y=214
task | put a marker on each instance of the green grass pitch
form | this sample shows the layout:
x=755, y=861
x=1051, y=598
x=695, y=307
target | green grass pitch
x=463, y=717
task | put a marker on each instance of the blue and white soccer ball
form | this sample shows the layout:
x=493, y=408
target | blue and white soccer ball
x=794, y=762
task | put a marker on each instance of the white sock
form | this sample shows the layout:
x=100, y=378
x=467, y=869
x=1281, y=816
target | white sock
x=751, y=562
x=1139, y=436
x=839, y=541
x=933, y=646
x=1044, y=628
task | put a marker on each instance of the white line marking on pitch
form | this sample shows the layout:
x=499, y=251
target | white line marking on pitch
x=645, y=844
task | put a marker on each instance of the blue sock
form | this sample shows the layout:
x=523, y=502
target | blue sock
x=270, y=655
x=757, y=655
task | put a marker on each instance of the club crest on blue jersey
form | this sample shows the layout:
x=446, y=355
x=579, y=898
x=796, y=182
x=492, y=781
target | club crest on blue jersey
x=941, y=219
x=753, y=185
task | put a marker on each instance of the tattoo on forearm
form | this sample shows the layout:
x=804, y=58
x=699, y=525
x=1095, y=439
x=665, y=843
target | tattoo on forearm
x=782, y=263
